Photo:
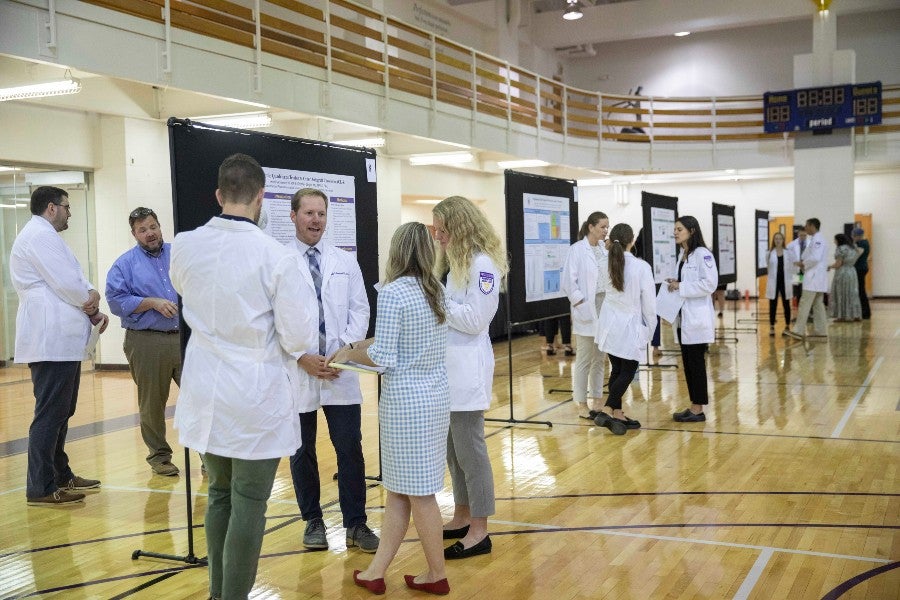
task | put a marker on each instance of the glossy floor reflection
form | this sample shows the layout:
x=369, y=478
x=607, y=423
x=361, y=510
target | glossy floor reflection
x=789, y=490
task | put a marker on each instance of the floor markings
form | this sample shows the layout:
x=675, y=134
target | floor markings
x=859, y=394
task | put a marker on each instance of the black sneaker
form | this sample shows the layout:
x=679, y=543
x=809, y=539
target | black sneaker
x=614, y=425
x=314, y=537
x=362, y=537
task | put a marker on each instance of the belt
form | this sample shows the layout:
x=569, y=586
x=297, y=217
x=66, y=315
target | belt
x=156, y=331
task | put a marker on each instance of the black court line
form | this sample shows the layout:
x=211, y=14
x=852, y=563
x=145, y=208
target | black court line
x=845, y=587
x=176, y=570
x=80, y=432
x=144, y=586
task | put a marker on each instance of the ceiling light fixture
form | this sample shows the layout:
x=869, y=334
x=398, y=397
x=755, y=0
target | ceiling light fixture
x=573, y=11
x=69, y=85
x=521, y=164
x=372, y=142
x=682, y=33
x=441, y=158
x=238, y=120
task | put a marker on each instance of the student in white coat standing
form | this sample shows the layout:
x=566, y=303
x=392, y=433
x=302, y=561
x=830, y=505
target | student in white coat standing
x=57, y=307
x=584, y=279
x=334, y=286
x=779, y=281
x=625, y=324
x=238, y=401
x=695, y=323
x=474, y=263
x=814, y=263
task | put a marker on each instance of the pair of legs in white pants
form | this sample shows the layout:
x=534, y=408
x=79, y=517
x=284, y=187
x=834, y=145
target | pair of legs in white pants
x=587, y=374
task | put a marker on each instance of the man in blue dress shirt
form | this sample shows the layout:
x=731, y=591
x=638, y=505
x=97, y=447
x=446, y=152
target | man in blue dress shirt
x=139, y=291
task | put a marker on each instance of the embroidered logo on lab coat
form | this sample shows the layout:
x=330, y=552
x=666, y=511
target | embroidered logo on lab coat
x=708, y=259
x=485, y=282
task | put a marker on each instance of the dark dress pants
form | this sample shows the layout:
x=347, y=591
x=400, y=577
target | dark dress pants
x=694, y=358
x=863, y=296
x=55, y=397
x=344, y=422
x=620, y=378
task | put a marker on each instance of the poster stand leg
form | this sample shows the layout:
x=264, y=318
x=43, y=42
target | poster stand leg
x=189, y=558
x=734, y=328
x=649, y=365
x=376, y=477
x=512, y=417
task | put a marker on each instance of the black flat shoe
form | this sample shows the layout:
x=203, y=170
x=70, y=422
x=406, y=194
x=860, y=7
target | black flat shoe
x=455, y=534
x=683, y=413
x=630, y=423
x=614, y=425
x=690, y=417
x=457, y=550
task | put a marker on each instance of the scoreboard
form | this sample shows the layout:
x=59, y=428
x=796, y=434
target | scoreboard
x=818, y=108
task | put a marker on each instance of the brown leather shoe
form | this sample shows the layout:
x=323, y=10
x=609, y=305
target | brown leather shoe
x=80, y=483
x=57, y=498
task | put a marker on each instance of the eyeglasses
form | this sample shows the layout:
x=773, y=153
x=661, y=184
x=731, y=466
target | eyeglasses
x=65, y=206
x=141, y=212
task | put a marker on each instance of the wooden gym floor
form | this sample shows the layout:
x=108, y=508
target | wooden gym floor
x=789, y=490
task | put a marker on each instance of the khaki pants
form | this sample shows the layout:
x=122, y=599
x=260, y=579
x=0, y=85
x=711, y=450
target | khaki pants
x=154, y=359
x=816, y=302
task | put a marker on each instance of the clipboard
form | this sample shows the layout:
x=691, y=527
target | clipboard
x=358, y=367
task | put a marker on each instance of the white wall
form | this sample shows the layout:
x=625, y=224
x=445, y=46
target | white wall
x=737, y=62
x=877, y=194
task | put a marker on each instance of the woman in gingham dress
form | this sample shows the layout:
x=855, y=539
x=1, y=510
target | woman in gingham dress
x=414, y=409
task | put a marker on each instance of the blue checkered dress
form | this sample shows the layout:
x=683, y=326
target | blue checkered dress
x=414, y=409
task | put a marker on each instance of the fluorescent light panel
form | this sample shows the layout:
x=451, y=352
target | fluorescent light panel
x=521, y=164
x=573, y=11
x=682, y=33
x=41, y=90
x=441, y=158
x=238, y=121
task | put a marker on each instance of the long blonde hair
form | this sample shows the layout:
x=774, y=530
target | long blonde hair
x=470, y=234
x=412, y=254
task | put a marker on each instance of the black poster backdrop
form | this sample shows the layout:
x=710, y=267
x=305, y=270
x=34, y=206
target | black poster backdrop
x=719, y=210
x=654, y=242
x=196, y=151
x=516, y=185
x=762, y=242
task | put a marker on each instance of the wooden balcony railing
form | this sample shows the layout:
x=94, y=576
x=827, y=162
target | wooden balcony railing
x=343, y=37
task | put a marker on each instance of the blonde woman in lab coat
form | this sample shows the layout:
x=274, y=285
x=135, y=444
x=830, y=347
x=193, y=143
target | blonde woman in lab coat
x=695, y=323
x=474, y=263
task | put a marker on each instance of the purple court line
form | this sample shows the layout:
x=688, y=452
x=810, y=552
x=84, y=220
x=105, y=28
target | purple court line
x=844, y=587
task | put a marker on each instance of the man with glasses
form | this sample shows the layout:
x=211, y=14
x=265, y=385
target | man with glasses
x=57, y=307
x=139, y=292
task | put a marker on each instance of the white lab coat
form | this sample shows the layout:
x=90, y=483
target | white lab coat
x=788, y=273
x=239, y=289
x=470, y=357
x=628, y=318
x=580, y=283
x=346, y=320
x=815, y=264
x=50, y=323
x=699, y=278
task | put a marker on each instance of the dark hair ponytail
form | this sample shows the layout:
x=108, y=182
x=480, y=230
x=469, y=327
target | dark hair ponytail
x=619, y=238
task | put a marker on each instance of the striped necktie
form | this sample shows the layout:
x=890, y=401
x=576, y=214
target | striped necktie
x=316, y=273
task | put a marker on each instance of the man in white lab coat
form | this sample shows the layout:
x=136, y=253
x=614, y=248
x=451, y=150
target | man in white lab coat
x=334, y=286
x=238, y=400
x=57, y=307
x=814, y=263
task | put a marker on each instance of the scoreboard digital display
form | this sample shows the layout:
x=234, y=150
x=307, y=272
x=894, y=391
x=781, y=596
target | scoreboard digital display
x=818, y=108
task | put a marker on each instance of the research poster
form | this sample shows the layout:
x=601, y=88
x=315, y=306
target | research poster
x=547, y=239
x=727, y=245
x=275, y=218
x=762, y=243
x=662, y=223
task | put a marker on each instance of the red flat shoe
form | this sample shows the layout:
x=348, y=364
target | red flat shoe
x=440, y=587
x=376, y=586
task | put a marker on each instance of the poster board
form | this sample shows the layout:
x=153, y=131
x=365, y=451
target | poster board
x=660, y=213
x=541, y=224
x=762, y=242
x=346, y=175
x=724, y=242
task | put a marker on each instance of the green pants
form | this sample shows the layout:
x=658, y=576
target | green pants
x=235, y=521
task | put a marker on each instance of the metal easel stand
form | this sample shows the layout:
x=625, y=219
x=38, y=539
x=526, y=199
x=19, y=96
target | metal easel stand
x=189, y=558
x=734, y=328
x=649, y=365
x=512, y=417
x=755, y=316
x=376, y=477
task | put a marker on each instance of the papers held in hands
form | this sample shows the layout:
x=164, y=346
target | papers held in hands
x=358, y=367
x=668, y=303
